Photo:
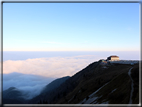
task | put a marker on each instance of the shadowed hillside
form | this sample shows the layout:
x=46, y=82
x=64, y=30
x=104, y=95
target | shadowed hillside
x=79, y=87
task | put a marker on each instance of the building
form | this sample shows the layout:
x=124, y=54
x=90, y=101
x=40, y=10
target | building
x=113, y=58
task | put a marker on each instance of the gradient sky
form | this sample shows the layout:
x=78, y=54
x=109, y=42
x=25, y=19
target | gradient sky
x=71, y=27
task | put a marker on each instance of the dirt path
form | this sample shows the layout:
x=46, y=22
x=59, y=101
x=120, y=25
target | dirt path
x=129, y=73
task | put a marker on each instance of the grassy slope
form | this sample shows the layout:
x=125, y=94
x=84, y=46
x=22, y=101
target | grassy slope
x=122, y=86
x=93, y=77
x=99, y=77
x=135, y=77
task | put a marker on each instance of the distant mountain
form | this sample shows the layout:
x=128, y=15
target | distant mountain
x=13, y=95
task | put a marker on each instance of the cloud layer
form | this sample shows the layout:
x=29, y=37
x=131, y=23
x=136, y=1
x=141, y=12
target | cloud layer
x=49, y=67
x=30, y=85
x=31, y=75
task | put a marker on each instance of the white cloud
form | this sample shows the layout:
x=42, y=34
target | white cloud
x=49, y=67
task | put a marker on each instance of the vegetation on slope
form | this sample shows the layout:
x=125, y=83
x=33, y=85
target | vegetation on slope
x=97, y=77
x=135, y=77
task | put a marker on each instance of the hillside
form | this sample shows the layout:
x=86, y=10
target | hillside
x=87, y=86
x=54, y=84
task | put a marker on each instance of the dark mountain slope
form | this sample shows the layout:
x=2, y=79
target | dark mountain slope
x=54, y=84
x=118, y=90
x=96, y=78
x=135, y=77
x=82, y=84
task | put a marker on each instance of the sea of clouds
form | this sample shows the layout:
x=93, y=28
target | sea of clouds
x=31, y=75
x=54, y=67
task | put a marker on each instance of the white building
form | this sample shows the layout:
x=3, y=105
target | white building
x=113, y=58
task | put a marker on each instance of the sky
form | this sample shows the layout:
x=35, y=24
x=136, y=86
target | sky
x=71, y=27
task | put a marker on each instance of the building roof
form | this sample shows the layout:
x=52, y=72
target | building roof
x=113, y=56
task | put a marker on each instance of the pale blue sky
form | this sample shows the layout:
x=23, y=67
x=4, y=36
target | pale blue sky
x=71, y=27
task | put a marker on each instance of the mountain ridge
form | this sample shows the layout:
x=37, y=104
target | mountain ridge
x=97, y=74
